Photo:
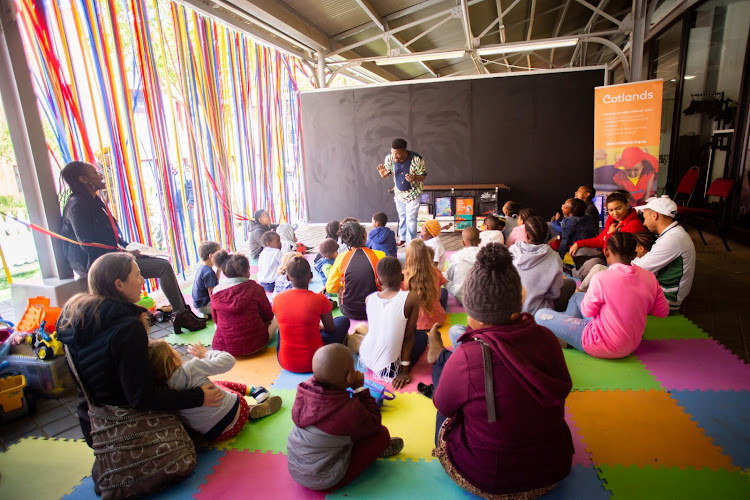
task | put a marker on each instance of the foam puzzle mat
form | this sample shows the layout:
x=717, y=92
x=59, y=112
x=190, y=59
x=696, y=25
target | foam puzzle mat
x=670, y=421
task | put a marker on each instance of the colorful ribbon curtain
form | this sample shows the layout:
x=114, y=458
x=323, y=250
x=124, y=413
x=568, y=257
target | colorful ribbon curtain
x=163, y=98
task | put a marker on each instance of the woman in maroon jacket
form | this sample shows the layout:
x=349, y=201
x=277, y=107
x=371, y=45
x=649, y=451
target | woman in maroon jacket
x=622, y=217
x=501, y=428
x=240, y=308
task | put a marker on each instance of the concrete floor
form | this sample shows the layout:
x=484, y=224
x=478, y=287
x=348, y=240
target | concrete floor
x=719, y=303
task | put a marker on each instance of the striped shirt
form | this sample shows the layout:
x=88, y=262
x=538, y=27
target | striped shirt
x=417, y=167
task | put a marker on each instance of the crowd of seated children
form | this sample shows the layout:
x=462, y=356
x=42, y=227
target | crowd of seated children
x=608, y=321
x=215, y=423
x=622, y=218
x=343, y=246
x=510, y=216
x=391, y=346
x=337, y=431
x=269, y=261
x=353, y=273
x=381, y=237
x=332, y=232
x=430, y=233
x=492, y=231
x=519, y=232
x=283, y=283
x=240, y=308
x=509, y=437
x=586, y=194
x=421, y=277
x=462, y=261
x=540, y=269
x=300, y=313
x=205, y=278
x=573, y=224
x=260, y=224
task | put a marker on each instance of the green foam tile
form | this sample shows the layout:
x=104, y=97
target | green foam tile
x=457, y=319
x=337, y=312
x=594, y=374
x=205, y=336
x=268, y=433
x=674, y=326
x=659, y=483
x=44, y=468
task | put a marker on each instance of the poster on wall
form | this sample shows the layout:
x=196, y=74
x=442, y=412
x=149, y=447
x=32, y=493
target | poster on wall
x=627, y=123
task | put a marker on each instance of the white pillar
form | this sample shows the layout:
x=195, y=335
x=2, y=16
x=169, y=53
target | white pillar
x=29, y=145
x=321, y=70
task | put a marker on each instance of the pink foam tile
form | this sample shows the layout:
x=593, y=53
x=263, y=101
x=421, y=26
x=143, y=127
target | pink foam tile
x=694, y=365
x=580, y=457
x=454, y=306
x=421, y=372
x=242, y=473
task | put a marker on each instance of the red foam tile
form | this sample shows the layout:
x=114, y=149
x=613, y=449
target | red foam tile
x=242, y=474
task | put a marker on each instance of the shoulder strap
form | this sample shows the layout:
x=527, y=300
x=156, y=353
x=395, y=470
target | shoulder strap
x=72, y=366
x=489, y=382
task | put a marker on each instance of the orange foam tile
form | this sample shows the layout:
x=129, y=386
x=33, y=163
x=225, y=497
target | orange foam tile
x=642, y=428
x=257, y=370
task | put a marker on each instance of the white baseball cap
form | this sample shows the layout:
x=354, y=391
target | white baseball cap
x=663, y=205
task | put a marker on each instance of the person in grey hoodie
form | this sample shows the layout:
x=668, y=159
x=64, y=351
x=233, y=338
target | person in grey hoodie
x=539, y=266
x=461, y=263
x=336, y=434
x=260, y=224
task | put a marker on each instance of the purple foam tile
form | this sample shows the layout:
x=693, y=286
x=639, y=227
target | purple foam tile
x=694, y=365
x=580, y=457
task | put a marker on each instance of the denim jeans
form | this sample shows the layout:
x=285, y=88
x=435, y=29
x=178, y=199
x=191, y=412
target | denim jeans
x=455, y=332
x=568, y=328
x=407, y=219
x=574, y=305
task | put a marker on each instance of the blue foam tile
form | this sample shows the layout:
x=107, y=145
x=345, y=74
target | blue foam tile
x=725, y=418
x=582, y=482
x=289, y=380
x=207, y=460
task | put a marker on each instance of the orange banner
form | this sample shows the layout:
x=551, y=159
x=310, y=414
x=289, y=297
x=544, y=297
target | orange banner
x=627, y=128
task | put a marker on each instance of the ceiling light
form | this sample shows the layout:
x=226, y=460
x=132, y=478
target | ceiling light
x=425, y=56
x=524, y=46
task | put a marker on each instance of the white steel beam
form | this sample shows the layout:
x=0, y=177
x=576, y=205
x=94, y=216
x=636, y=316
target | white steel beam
x=370, y=11
x=601, y=13
x=532, y=9
x=587, y=28
x=558, y=27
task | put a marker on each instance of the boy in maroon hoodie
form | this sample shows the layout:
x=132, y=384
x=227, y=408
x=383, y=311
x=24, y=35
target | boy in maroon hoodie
x=336, y=436
x=501, y=394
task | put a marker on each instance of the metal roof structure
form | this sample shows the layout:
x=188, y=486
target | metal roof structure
x=391, y=40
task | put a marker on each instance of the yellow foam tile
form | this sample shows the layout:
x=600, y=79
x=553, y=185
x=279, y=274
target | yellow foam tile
x=411, y=416
x=260, y=369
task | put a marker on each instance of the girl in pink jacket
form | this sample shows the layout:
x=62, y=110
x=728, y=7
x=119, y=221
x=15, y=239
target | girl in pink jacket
x=609, y=319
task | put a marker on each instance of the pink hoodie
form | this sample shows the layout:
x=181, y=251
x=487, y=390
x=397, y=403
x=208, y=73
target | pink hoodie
x=618, y=300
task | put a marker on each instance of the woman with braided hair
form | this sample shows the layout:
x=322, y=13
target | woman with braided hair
x=500, y=395
x=354, y=271
x=609, y=319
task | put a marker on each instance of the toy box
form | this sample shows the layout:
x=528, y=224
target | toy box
x=46, y=378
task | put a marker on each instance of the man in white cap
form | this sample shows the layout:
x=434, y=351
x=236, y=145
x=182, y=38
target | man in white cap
x=672, y=258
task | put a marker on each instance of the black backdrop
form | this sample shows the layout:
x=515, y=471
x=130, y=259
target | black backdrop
x=533, y=132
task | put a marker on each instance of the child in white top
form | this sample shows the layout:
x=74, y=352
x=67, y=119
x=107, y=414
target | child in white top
x=216, y=423
x=462, y=261
x=269, y=260
x=431, y=236
x=392, y=344
x=282, y=282
x=288, y=238
x=492, y=231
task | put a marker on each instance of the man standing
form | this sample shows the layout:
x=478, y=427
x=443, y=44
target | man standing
x=672, y=258
x=409, y=171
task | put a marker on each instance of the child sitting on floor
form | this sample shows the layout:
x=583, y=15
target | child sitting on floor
x=462, y=261
x=205, y=278
x=288, y=239
x=342, y=246
x=354, y=272
x=240, y=308
x=431, y=237
x=269, y=261
x=492, y=231
x=282, y=282
x=644, y=240
x=573, y=224
x=332, y=232
x=216, y=423
x=381, y=238
x=344, y=434
x=510, y=213
x=421, y=277
x=519, y=232
x=299, y=312
x=392, y=346
x=540, y=269
x=609, y=319
x=260, y=225
x=329, y=250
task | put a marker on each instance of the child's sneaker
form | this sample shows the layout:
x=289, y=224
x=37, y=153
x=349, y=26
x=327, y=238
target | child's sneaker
x=397, y=444
x=268, y=407
x=259, y=394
